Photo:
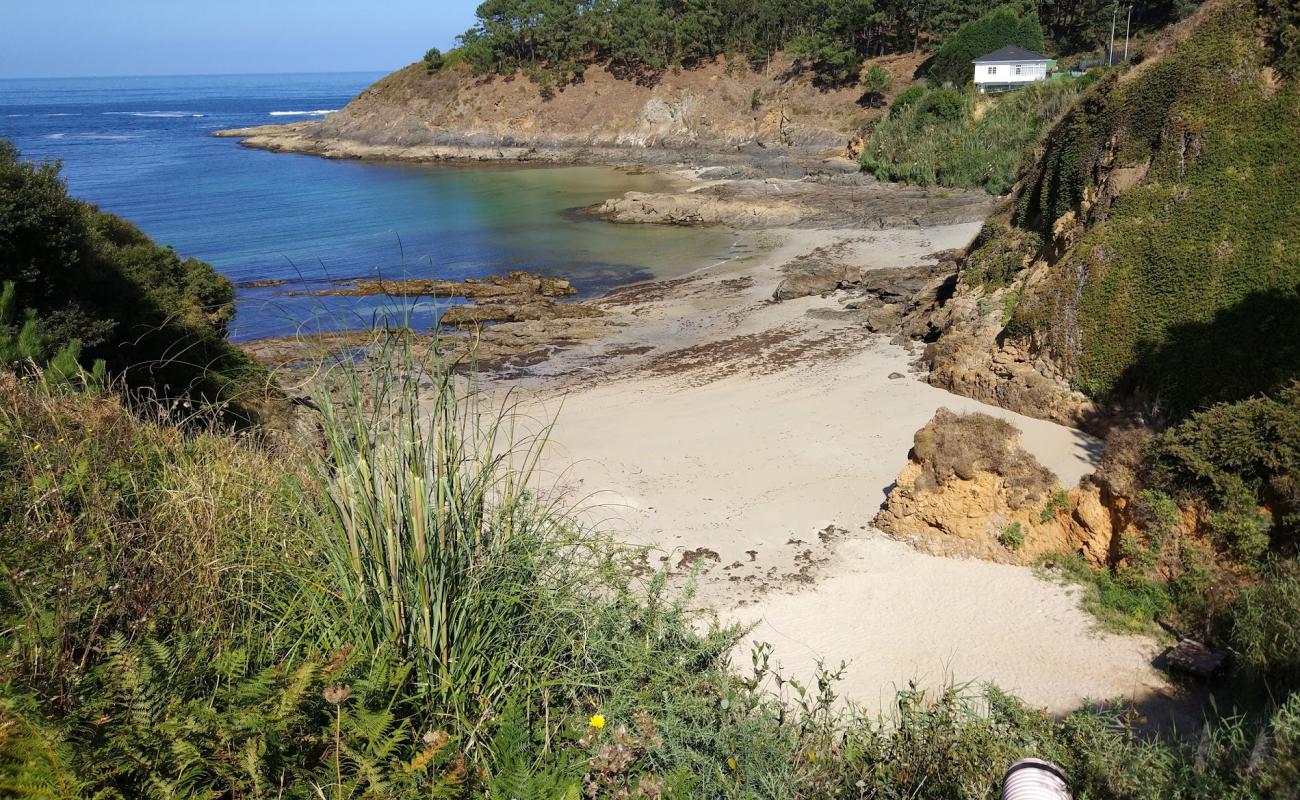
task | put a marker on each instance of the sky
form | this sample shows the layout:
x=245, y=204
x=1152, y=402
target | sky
x=77, y=38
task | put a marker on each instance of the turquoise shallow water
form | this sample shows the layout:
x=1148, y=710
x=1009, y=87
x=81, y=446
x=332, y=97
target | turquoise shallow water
x=140, y=147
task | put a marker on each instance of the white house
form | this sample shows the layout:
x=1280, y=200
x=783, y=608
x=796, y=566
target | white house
x=1010, y=67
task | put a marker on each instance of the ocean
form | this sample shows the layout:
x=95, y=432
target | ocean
x=141, y=148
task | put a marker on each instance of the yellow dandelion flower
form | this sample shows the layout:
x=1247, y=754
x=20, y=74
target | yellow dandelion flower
x=36, y=447
x=597, y=721
x=812, y=758
x=731, y=763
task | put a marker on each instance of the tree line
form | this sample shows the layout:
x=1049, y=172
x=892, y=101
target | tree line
x=641, y=38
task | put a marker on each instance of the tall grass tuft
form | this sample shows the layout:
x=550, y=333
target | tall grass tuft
x=433, y=541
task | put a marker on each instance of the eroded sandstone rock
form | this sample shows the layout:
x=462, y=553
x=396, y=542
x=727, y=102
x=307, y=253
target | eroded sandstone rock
x=970, y=490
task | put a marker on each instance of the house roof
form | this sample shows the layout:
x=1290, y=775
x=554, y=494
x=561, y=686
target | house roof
x=1012, y=53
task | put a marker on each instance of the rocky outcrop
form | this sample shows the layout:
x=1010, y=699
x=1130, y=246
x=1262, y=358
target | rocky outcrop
x=517, y=296
x=516, y=286
x=508, y=320
x=722, y=112
x=844, y=198
x=974, y=359
x=970, y=490
x=482, y=313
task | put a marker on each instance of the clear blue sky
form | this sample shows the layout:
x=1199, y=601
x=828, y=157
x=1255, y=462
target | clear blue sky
x=59, y=38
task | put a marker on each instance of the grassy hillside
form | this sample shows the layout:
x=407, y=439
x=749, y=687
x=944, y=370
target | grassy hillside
x=946, y=137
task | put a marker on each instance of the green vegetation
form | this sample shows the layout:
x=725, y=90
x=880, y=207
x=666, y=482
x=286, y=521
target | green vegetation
x=84, y=276
x=1237, y=458
x=949, y=138
x=203, y=615
x=1123, y=600
x=1057, y=502
x=1229, y=575
x=877, y=83
x=1182, y=287
x=1013, y=537
x=642, y=38
x=1266, y=625
x=1165, y=209
x=434, y=60
x=22, y=346
x=1007, y=25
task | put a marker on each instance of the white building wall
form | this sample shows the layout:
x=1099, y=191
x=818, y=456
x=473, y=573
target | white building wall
x=1010, y=72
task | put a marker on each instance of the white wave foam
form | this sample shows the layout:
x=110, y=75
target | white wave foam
x=60, y=114
x=56, y=136
x=15, y=115
x=154, y=114
x=319, y=113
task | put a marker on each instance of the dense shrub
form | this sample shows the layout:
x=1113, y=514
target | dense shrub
x=175, y=628
x=434, y=60
x=1211, y=551
x=1282, y=21
x=876, y=84
x=1006, y=25
x=942, y=105
x=932, y=137
x=157, y=320
x=905, y=99
x=117, y=527
x=1238, y=457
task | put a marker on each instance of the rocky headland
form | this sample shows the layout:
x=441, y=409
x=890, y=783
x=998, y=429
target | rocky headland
x=719, y=113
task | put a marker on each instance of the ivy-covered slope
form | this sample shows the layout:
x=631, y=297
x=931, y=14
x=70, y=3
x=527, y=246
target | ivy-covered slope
x=1167, y=207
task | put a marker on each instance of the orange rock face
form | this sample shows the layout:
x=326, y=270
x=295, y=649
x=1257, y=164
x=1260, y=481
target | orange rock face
x=981, y=515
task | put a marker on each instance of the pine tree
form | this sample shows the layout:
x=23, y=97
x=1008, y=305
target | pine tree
x=31, y=344
x=64, y=369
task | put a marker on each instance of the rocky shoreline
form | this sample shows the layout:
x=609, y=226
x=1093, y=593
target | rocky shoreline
x=311, y=138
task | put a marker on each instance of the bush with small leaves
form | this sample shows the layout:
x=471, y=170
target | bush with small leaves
x=433, y=59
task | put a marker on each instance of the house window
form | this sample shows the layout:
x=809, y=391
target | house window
x=1017, y=69
x=993, y=70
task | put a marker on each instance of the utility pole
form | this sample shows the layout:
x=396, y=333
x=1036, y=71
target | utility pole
x=1110, y=52
x=1127, y=24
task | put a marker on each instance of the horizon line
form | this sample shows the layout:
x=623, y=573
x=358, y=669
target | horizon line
x=193, y=74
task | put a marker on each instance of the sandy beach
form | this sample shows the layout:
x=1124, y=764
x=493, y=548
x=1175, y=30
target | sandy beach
x=751, y=442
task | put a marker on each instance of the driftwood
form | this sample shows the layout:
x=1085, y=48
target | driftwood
x=1193, y=658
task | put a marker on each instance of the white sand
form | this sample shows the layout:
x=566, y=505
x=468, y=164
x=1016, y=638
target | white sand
x=778, y=463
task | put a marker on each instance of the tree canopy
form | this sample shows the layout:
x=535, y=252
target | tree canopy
x=641, y=38
x=1006, y=25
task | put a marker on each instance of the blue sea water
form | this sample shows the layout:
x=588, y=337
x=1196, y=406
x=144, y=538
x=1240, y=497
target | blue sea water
x=141, y=148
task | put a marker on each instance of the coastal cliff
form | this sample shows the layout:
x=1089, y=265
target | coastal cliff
x=720, y=112
x=1149, y=258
